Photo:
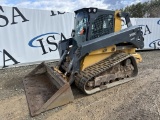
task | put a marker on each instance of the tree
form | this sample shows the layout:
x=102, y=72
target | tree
x=146, y=9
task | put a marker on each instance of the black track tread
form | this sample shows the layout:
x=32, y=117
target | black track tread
x=89, y=73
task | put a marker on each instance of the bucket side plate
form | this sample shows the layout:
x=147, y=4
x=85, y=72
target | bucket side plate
x=42, y=94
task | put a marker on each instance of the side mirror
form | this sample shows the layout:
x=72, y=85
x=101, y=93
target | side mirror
x=73, y=33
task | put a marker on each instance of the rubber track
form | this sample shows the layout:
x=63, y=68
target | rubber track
x=95, y=70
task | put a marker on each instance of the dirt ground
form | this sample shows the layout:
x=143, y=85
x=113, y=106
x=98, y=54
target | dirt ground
x=136, y=100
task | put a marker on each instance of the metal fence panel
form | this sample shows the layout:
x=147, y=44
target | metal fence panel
x=28, y=35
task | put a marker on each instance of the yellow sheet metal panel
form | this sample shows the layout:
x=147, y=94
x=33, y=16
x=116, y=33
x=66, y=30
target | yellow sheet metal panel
x=104, y=50
x=138, y=57
x=133, y=52
x=117, y=22
x=97, y=56
x=130, y=51
x=92, y=59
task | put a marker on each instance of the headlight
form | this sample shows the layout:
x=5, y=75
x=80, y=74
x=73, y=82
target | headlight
x=94, y=10
x=89, y=10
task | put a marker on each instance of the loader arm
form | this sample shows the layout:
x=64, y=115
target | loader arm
x=131, y=35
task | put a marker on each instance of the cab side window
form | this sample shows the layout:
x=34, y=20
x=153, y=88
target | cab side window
x=102, y=25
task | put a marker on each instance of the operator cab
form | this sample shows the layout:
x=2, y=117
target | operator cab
x=91, y=23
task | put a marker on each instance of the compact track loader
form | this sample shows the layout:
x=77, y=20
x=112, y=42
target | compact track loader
x=98, y=56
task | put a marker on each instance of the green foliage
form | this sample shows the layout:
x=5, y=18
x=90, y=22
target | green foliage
x=146, y=9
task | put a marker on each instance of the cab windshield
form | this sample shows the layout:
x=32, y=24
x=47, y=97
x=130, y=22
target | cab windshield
x=81, y=23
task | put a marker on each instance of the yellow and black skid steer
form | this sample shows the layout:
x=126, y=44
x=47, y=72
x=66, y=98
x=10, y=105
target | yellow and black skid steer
x=99, y=55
